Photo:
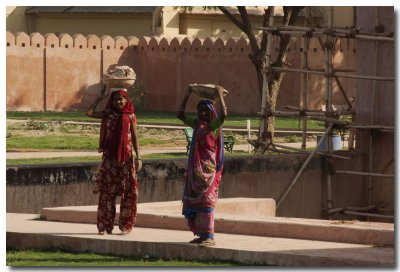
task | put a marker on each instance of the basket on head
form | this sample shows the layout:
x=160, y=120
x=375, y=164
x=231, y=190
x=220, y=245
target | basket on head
x=120, y=76
x=208, y=91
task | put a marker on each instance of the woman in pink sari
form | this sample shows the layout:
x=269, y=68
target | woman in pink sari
x=205, y=165
x=117, y=175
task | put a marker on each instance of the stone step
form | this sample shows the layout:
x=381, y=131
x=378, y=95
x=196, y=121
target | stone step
x=28, y=231
x=245, y=216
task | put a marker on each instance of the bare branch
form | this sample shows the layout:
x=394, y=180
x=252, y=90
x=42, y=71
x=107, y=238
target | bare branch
x=232, y=18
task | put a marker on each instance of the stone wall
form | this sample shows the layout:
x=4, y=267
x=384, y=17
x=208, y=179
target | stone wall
x=62, y=73
x=375, y=105
x=30, y=188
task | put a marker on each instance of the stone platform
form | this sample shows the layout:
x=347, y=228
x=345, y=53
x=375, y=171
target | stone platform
x=246, y=232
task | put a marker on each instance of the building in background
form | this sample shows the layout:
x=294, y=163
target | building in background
x=147, y=20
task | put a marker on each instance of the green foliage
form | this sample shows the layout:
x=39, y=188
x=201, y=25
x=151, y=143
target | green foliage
x=292, y=139
x=37, y=125
x=137, y=94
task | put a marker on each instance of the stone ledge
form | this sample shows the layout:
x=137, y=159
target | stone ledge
x=167, y=215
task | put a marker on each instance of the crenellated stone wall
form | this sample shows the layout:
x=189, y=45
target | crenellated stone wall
x=62, y=73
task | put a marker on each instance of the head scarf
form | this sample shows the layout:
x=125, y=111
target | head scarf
x=116, y=144
x=211, y=107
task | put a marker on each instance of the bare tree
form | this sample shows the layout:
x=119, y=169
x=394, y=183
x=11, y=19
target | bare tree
x=257, y=57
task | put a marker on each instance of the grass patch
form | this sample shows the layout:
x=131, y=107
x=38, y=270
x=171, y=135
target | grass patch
x=165, y=118
x=65, y=142
x=65, y=258
x=54, y=142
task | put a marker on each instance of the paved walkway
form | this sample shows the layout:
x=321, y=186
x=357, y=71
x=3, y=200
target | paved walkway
x=23, y=231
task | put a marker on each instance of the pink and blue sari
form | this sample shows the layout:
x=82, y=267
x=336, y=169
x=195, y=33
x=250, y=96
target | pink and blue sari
x=203, y=175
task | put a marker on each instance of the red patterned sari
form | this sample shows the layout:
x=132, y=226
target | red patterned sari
x=203, y=175
x=117, y=174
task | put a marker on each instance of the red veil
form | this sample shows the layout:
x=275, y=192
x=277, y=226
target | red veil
x=116, y=144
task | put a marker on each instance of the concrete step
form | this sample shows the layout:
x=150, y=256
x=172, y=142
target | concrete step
x=27, y=231
x=245, y=216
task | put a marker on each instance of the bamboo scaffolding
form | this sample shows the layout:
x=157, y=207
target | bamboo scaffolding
x=343, y=92
x=282, y=198
x=289, y=113
x=329, y=120
x=369, y=214
x=355, y=209
x=363, y=173
x=378, y=127
x=298, y=109
x=335, y=210
x=329, y=33
x=365, y=77
x=304, y=82
x=360, y=209
x=328, y=66
x=337, y=74
x=309, y=152
x=321, y=32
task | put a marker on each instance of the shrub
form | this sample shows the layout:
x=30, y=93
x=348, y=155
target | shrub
x=137, y=94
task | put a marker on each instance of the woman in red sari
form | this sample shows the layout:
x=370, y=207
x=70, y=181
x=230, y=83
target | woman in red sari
x=205, y=165
x=117, y=175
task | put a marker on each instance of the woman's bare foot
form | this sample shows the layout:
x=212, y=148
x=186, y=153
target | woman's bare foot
x=207, y=242
x=196, y=241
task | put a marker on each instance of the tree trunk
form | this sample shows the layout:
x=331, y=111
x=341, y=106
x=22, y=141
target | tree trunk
x=275, y=78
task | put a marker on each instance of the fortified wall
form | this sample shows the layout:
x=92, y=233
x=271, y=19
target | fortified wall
x=63, y=73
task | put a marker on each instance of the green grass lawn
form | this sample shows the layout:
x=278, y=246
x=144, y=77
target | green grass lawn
x=64, y=258
x=238, y=121
x=64, y=142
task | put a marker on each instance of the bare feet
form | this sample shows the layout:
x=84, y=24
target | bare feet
x=196, y=241
x=125, y=232
x=207, y=242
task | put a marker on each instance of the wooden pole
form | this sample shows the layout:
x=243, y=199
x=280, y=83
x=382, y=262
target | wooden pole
x=265, y=97
x=343, y=92
x=321, y=32
x=290, y=113
x=364, y=174
x=282, y=198
x=328, y=49
x=335, y=74
x=309, y=152
x=369, y=214
x=304, y=82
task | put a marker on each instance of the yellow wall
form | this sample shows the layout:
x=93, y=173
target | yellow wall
x=99, y=24
x=343, y=16
x=172, y=23
x=15, y=19
x=203, y=26
x=87, y=24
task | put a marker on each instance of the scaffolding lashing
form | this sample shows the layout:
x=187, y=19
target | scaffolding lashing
x=330, y=116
